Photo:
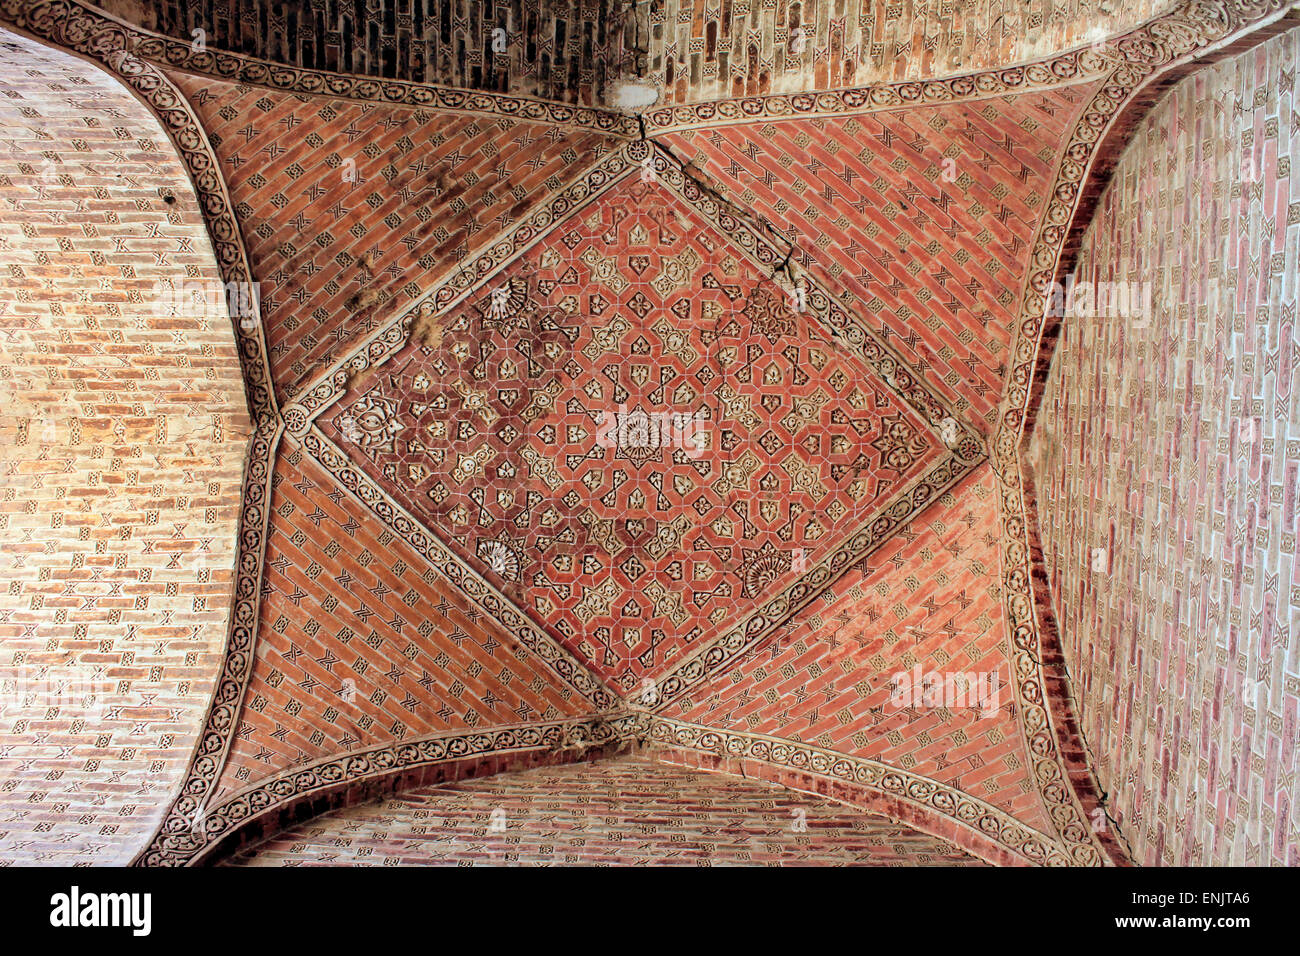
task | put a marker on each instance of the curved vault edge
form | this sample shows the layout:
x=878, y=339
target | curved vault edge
x=91, y=37
x=99, y=40
x=197, y=255
x=1194, y=35
x=271, y=804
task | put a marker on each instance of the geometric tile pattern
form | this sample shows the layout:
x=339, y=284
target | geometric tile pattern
x=778, y=251
x=122, y=436
x=349, y=210
x=1169, y=465
x=629, y=810
x=922, y=599
x=362, y=642
x=921, y=220
x=755, y=442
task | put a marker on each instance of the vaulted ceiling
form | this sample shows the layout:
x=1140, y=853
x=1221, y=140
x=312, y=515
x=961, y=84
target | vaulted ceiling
x=621, y=811
x=577, y=430
x=124, y=428
x=579, y=51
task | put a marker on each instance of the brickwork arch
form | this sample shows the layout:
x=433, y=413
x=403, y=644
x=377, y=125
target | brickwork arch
x=631, y=809
x=123, y=427
x=1040, y=487
x=692, y=51
x=1171, y=592
x=250, y=758
x=274, y=806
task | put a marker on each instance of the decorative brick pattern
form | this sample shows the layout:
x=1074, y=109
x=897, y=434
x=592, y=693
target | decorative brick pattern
x=573, y=51
x=922, y=599
x=1167, y=461
x=350, y=211
x=622, y=811
x=787, y=46
x=361, y=641
x=921, y=219
x=280, y=766
x=121, y=442
x=564, y=50
x=636, y=548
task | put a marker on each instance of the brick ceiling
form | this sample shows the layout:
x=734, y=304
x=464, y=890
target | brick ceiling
x=576, y=51
x=447, y=564
x=124, y=426
x=617, y=811
x=632, y=557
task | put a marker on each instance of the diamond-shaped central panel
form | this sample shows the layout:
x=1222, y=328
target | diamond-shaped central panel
x=633, y=433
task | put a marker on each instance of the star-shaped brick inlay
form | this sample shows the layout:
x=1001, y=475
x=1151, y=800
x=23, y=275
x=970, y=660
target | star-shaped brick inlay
x=633, y=433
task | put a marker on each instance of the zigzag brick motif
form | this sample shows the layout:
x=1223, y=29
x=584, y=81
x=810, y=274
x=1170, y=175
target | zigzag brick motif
x=363, y=642
x=922, y=601
x=561, y=51
x=791, y=46
x=122, y=429
x=1057, y=750
x=349, y=209
x=702, y=448
x=577, y=51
